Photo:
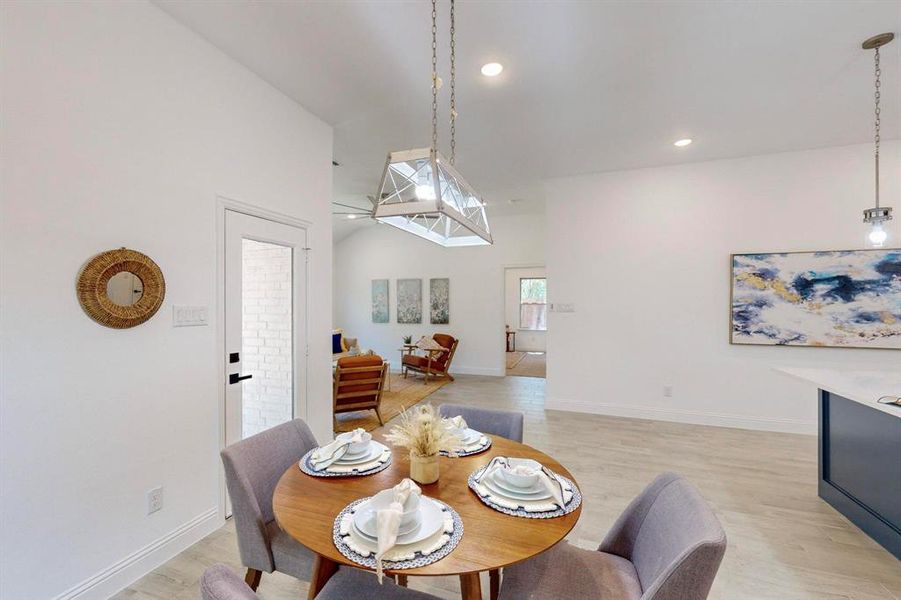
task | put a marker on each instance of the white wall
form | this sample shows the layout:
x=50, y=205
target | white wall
x=120, y=127
x=476, y=287
x=526, y=341
x=651, y=289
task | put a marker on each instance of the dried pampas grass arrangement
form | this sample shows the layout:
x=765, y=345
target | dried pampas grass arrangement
x=424, y=432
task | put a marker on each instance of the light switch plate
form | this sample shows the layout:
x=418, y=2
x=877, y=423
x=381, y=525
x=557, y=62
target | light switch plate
x=190, y=316
x=563, y=307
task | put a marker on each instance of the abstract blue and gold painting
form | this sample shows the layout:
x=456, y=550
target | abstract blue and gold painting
x=843, y=299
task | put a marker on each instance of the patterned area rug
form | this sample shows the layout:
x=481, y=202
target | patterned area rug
x=404, y=394
x=527, y=364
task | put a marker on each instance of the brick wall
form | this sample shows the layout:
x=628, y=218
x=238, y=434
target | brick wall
x=267, y=351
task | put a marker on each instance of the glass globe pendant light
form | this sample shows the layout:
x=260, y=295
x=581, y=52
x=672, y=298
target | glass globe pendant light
x=877, y=216
x=420, y=191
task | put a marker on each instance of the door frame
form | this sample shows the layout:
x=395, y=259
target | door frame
x=505, y=268
x=222, y=205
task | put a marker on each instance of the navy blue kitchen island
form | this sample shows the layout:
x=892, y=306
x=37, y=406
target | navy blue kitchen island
x=860, y=466
x=860, y=448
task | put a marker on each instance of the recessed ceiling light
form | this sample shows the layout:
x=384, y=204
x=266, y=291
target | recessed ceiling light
x=351, y=216
x=492, y=69
x=682, y=143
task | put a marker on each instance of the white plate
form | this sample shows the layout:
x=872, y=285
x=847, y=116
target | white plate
x=359, y=459
x=493, y=484
x=365, y=450
x=479, y=443
x=431, y=520
x=470, y=436
x=375, y=450
x=402, y=530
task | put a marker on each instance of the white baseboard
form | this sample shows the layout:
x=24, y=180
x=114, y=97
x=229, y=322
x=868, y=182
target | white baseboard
x=684, y=416
x=131, y=568
x=464, y=370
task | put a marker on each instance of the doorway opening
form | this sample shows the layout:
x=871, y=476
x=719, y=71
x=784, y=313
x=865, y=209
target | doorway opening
x=526, y=318
x=267, y=353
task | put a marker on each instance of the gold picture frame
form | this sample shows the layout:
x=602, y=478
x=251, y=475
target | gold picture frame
x=94, y=278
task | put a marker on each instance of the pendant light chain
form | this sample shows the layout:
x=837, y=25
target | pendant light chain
x=434, y=76
x=453, y=96
x=877, y=216
x=876, y=139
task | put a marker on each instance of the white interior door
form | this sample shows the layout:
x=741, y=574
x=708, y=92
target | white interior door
x=265, y=324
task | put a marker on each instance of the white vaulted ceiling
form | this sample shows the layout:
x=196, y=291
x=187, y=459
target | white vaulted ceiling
x=586, y=87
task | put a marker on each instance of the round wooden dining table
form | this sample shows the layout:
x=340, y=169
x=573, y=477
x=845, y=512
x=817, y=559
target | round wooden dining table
x=306, y=507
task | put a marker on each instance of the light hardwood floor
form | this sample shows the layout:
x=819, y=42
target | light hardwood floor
x=784, y=542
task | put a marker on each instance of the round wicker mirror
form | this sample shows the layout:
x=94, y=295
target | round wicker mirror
x=121, y=288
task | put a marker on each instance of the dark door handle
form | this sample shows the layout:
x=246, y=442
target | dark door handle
x=236, y=377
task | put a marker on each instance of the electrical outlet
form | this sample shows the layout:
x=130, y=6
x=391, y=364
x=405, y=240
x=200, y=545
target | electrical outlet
x=154, y=500
x=667, y=391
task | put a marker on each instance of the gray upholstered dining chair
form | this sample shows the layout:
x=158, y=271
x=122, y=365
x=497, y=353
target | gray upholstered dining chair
x=505, y=423
x=667, y=545
x=253, y=467
x=220, y=583
x=355, y=584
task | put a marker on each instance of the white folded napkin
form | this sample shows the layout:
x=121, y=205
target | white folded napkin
x=545, y=476
x=336, y=449
x=457, y=422
x=388, y=521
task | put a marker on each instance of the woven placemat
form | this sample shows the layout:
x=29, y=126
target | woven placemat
x=471, y=452
x=419, y=561
x=572, y=505
x=307, y=468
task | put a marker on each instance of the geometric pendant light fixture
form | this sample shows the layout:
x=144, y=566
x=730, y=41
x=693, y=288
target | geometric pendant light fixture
x=421, y=192
x=876, y=216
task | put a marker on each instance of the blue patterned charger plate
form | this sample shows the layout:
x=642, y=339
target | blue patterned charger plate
x=471, y=452
x=420, y=560
x=307, y=468
x=572, y=505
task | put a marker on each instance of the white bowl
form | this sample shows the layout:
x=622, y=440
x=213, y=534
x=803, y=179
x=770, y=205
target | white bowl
x=357, y=447
x=411, y=507
x=518, y=479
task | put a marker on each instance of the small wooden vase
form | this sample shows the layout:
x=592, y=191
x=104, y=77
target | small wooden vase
x=424, y=469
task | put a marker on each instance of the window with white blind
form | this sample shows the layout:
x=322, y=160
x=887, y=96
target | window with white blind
x=533, y=303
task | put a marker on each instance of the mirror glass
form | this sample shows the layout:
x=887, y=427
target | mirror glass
x=125, y=288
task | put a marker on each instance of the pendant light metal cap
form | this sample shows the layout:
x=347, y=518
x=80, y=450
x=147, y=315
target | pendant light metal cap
x=878, y=214
x=878, y=41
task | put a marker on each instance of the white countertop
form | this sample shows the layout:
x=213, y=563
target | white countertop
x=863, y=387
